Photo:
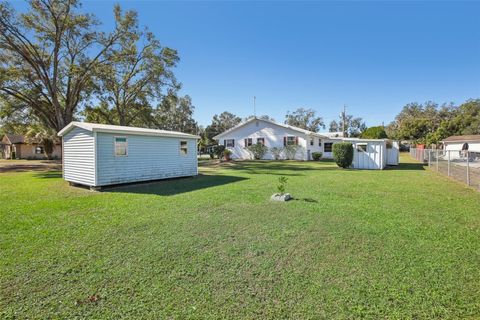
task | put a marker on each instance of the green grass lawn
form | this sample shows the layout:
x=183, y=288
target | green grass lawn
x=401, y=243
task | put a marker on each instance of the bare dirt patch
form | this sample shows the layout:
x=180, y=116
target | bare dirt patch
x=29, y=165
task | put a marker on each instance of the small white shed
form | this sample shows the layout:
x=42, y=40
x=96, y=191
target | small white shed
x=98, y=155
x=373, y=153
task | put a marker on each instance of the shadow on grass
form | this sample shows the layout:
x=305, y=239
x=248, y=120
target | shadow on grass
x=175, y=186
x=408, y=166
x=49, y=174
x=281, y=168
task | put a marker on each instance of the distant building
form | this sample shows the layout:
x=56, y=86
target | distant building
x=462, y=143
x=368, y=153
x=14, y=146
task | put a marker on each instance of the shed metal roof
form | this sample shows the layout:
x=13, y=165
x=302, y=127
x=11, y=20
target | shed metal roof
x=96, y=127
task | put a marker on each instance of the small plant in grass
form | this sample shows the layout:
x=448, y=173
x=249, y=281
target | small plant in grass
x=343, y=154
x=276, y=152
x=317, y=156
x=281, y=195
x=257, y=150
x=282, y=182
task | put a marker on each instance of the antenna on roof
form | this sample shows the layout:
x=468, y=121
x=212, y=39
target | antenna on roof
x=254, y=107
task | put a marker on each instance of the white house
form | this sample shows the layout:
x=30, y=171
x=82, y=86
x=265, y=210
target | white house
x=97, y=155
x=368, y=153
x=273, y=134
x=459, y=143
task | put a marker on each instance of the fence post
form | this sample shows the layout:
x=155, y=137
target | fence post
x=448, y=170
x=468, y=168
x=429, y=157
x=437, y=159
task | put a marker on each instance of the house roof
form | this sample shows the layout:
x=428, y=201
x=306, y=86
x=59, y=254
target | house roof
x=465, y=138
x=271, y=122
x=15, y=138
x=96, y=127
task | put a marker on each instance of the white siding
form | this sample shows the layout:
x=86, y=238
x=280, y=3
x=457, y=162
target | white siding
x=373, y=158
x=273, y=135
x=78, y=157
x=149, y=158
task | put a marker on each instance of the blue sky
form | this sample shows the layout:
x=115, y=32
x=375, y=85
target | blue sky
x=372, y=56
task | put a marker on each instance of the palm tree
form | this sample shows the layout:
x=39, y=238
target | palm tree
x=43, y=136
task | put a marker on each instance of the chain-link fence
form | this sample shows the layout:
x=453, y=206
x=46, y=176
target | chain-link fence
x=463, y=166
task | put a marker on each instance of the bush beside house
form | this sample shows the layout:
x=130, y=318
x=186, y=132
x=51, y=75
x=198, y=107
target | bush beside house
x=343, y=154
x=317, y=156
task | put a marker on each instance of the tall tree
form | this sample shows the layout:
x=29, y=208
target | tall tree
x=305, y=118
x=48, y=57
x=176, y=113
x=221, y=123
x=353, y=126
x=139, y=69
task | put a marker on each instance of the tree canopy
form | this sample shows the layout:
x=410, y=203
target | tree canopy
x=221, y=123
x=305, y=118
x=374, y=133
x=430, y=123
x=353, y=126
x=49, y=55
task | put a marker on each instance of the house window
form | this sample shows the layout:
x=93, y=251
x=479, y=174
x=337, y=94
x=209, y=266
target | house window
x=290, y=141
x=229, y=143
x=261, y=140
x=248, y=142
x=311, y=142
x=121, y=146
x=319, y=142
x=39, y=150
x=362, y=147
x=327, y=147
x=183, y=147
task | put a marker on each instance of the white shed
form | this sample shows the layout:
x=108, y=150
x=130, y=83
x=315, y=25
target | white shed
x=373, y=153
x=98, y=155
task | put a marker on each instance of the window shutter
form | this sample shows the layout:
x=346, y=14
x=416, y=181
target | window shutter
x=296, y=140
x=224, y=143
x=245, y=141
x=233, y=143
x=284, y=141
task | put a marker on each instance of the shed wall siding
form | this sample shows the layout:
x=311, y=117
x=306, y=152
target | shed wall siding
x=148, y=158
x=79, y=158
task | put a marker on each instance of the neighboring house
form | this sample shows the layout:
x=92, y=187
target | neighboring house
x=273, y=134
x=15, y=146
x=459, y=143
x=97, y=155
x=368, y=153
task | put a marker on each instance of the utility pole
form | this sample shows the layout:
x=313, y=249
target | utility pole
x=343, y=120
x=254, y=106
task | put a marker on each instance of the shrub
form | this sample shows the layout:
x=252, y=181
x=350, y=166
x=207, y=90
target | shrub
x=227, y=153
x=276, y=151
x=218, y=151
x=317, y=156
x=343, y=154
x=258, y=150
x=282, y=181
x=291, y=151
